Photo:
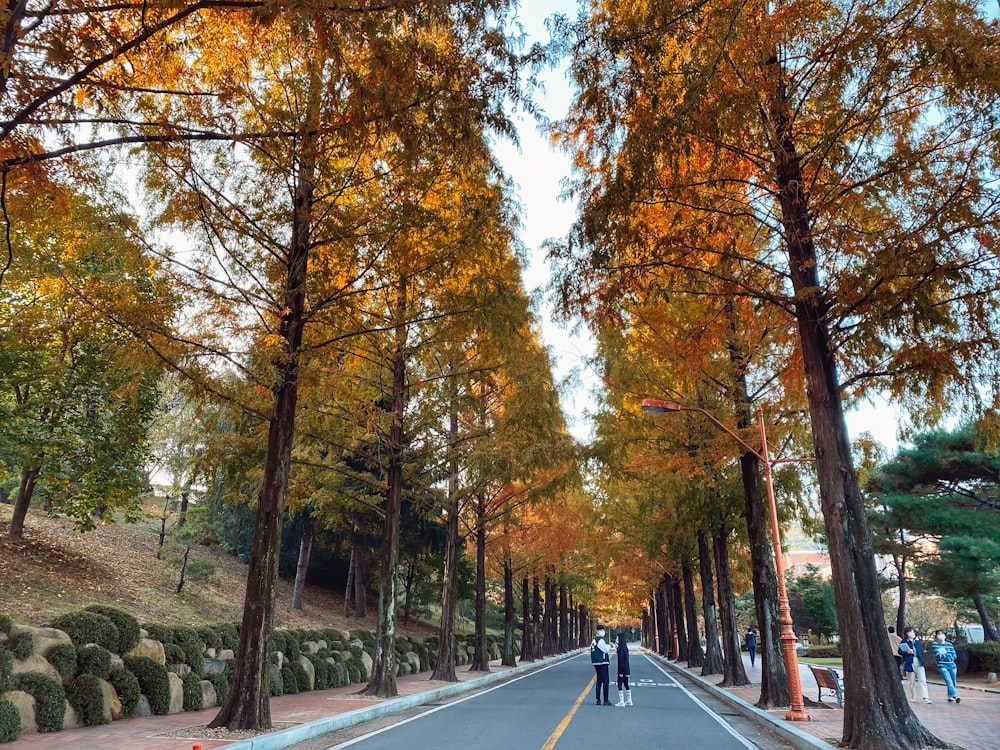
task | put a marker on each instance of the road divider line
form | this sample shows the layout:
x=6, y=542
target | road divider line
x=554, y=737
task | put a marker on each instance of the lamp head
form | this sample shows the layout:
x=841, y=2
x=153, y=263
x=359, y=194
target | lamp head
x=655, y=406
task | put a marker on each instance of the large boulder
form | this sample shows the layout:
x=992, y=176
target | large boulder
x=209, y=698
x=176, y=693
x=214, y=666
x=414, y=660
x=226, y=654
x=36, y=663
x=313, y=647
x=152, y=649
x=142, y=707
x=310, y=671
x=42, y=638
x=366, y=659
x=71, y=720
x=112, y=703
x=25, y=705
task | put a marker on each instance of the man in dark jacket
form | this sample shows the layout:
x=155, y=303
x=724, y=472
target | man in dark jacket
x=599, y=650
x=624, y=691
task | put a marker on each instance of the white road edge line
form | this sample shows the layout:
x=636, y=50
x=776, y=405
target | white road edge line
x=440, y=708
x=710, y=712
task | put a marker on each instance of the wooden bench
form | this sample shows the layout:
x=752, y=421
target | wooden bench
x=829, y=679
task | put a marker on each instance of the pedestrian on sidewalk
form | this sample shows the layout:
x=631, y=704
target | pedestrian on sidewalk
x=944, y=656
x=917, y=674
x=894, y=641
x=599, y=650
x=751, y=640
x=624, y=691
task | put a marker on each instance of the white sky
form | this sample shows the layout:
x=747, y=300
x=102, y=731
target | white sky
x=538, y=169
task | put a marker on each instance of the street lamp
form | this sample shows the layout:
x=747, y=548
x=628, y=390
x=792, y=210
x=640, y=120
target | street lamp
x=796, y=710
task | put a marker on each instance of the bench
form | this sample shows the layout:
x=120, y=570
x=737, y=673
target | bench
x=829, y=679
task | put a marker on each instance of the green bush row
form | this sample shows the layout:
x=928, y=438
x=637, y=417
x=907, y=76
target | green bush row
x=983, y=657
x=153, y=682
x=50, y=699
x=10, y=721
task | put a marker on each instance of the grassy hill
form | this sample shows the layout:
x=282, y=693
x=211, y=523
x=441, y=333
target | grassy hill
x=57, y=569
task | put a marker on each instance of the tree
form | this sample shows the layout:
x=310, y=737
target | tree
x=880, y=217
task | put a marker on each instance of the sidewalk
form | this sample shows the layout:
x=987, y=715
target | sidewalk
x=146, y=733
x=974, y=724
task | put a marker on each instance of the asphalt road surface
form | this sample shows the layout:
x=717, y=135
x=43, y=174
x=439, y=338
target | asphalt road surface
x=554, y=707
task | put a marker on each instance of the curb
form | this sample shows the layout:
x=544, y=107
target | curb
x=795, y=737
x=294, y=735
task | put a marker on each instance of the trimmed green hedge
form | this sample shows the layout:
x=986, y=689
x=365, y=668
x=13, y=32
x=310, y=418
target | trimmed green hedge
x=188, y=639
x=221, y=682
x=301, y=676
x=6, y=668
x=10, y=721
x=127, y=688
x=194, y=696
x=88, y=627
x=128, y=626
x=94, y=660
x=209, y=636
x=63, y=657
x=983, y=657
x=153, y=682
x=50, y=699
x=5, y=623
x=289, y=680
x=21, y=643
x=830, y=651
x=87, y=698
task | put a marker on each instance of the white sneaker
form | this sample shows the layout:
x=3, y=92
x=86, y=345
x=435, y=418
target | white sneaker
x=928, y=700
x=621, y=702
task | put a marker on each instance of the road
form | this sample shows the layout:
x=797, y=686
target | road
x=554, y=707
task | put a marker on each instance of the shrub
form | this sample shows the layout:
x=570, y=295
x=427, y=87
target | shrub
x=87, y=698
x=21, y=643
x=94, y=660
x=279, y=642
x=50, y=699
x=6, y=668
x=221, y=683
x=194, y=650
x=160, y=632
x=830, y=651
x=984, y=657
x=5, y=623
x=209, y=636
x=289, y=680
x=174, y=654
x=229, y=634
x=63, y=657
x=353, y=672
x=153, y=682
x=88, y=627
x=128, y=626
x=301, y=677
x=275, y=688
x=10, y=721
x=127, y=688
x=321, y=670
x=194, y=696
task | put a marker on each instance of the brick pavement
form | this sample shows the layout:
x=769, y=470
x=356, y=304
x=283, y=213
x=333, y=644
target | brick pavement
x=974, y=724
x=144, y=733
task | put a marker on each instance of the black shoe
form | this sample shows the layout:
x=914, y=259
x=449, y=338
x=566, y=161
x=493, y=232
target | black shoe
x=599, y=701
x=607, y=703
x=957, y=700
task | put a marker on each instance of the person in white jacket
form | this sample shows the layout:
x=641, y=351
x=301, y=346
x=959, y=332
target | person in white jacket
x=918, y=675
x=599, y=657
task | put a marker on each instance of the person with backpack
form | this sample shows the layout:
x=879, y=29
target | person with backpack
x=624, y=691
x=599, y=657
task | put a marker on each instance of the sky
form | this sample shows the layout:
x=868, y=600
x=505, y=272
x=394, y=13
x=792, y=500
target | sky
x=539, y=169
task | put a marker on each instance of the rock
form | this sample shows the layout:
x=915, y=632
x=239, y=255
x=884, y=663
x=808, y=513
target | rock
x=991, y=677
x=152, y=649
x=209, y=698
x=116, y=663
x=355, y=642
x=366, y=659
x=71, y=719
x=414, y=660
x=403, y=668
x=142, y=707
x=210, y=653
x=42, y=638
x=274, y=674
x=176, y=694
x=36, y=663
x=180, y=669
x=310, y=671
x=143, y=633
x=278, y=657
x=310, y=647
x=25, y=705
x=226, y=654
x=112, y=706
x=214, y=666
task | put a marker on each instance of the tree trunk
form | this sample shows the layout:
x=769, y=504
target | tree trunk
x=563, y=640
x=508, y=659
x=548, y=620
x=773, y=676
x=444, y=669
x=25, y=489
x=900, y=564
x=663, y=637
x=302, y=567
x=480, y=658
x=696, y=656
x=536, y=616
x=349, y=589
x=360, y=589
x=713, y=653
x=182, y=512
x=383, y=678
x=682, y=642
x=734, y=674
x=989, y=629
x=876, y=712
x=248, y=703
x=668, y=612
x=527, y=652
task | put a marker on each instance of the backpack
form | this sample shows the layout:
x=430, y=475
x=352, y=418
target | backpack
x=597, y=656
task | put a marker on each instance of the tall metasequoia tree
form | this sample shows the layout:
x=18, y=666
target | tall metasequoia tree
x=713, y=653
x=871, y=177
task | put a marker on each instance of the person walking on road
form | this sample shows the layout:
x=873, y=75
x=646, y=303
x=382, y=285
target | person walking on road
x=894, y=641
x=599, y=650
x=916, y=674
x=944, y=655
x=751, y=640
x=624, y=691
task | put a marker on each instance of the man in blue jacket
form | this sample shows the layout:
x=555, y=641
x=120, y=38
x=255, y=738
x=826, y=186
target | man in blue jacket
x=599, y=650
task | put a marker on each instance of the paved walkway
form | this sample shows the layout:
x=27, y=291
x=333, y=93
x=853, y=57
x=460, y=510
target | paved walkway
x=974, y=724
x=146, y=733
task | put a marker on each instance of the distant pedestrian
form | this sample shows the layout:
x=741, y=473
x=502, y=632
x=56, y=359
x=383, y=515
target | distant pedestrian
x=944, y=656
x=624, y=691
x=894, y=641
x=599, y=650
x=751, y=640
x=916, y=673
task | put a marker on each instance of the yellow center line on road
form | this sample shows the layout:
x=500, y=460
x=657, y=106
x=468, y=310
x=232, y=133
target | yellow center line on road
x=554, y=737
